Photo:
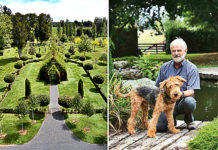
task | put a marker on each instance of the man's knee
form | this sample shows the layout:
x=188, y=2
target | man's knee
x=162, y=123
x=189, y=104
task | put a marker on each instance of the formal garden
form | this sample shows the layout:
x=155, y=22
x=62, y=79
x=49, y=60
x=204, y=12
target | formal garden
x=71, y=55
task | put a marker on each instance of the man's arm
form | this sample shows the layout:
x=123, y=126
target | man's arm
x=189, y=93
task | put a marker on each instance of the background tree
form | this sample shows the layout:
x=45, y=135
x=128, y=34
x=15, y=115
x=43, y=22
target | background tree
x=88, y=110
x=59, y=29
x=80, y=88
x=93, y=31
x=32, y=51
x=44, y=27
x=34, y=102
x=19, y=32
x=104, y=30
x=77, y=103
x=21, y=110
x=84, y=45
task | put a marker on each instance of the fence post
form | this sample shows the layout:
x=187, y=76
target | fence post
x=156, y=48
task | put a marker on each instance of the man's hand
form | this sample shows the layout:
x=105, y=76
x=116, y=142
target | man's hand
x=189, y=93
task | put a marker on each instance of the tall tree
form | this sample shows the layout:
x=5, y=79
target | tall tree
x=59, y=29
x=93, y=31
x=19, y=32
x=44, y=27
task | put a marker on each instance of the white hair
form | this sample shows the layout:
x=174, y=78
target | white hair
x=178, y=41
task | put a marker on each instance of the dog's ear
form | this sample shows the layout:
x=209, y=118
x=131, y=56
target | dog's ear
x=180, y=79
x=162, y=84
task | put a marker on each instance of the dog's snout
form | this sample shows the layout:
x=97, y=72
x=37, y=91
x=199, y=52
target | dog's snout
x=175, y=94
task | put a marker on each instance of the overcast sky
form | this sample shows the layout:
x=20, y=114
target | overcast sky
x=61, y=9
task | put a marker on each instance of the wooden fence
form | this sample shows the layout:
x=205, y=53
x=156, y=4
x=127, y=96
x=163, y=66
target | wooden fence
x=153, y=48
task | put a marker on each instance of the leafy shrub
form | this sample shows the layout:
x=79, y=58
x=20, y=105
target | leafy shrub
x=38, y=55
x=18, y=65
x=27, y=88
x=63, y=38
x=67, y=55
x=24, y=58
x=82, y=58
x=44, y=100
x=65, y=101
x=99, y=79
x=9, y=78
x=77, y=103
x=88, y=109
x=71, y=50
x=103, y=57
x=88, y=66
x=80, y=88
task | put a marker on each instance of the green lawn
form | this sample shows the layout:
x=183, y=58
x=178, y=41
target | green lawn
x=11, y=126
x=70, y=87
x=17, y=92
x=97, y=125
x=146, y=37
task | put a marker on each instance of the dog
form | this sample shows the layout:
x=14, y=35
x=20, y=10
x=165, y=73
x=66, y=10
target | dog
x=163, y=99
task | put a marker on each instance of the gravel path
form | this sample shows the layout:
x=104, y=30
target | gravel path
x=54, y=134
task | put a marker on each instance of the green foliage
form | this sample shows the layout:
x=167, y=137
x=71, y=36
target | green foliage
x=149, y=68
x=77, y=103
x=71, y=50
x=84, y=45
x=24, y=58
x=27, y=88
x=65, y=101
x=54, y=75
x=38, y=55
x=82, y=58
x=43, y=99
x=32, y=50
x=18, y=65
x=63, y=38
x=111, y=65
x=88, y=66
x=206, y=137
x=80, y=88
x=93, y=31
x=33, y=101
x=99, y=79
x=67, y=55
x=44, y=31
x=9, y=78
x=103, y=58
x=22, y=109
x=88, y=109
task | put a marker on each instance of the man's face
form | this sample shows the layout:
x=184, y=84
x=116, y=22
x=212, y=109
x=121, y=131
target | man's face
x=178, y=53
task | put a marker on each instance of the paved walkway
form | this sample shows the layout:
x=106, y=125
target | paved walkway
x=54, y=134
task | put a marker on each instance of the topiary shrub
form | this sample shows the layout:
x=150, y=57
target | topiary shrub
x=80, y=88
x=54, y=75
x=44, y=100
x=77, y=103
x=82, y=58
x=38, y=55
x=24, y=58
x=67, y=55
x=18, y=65
x=27, y=88
x=9, y=78
x=88, y=66
x=65, y=101
x=103, y=58
x=99, y=79
x=71, y=50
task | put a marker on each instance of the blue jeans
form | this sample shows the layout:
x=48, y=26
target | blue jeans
x=184, y=106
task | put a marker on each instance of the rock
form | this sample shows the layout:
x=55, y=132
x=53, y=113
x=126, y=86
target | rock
x=130, y=74
x=120, y=64
x=131, y=84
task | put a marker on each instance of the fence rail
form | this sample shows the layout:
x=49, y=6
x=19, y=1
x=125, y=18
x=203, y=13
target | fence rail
x=152, y=47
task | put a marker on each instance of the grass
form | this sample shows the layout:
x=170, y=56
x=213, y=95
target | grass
x=11, y=126
x=146, y=37
x=70, y=87
x=17, y=92
x=97, y=125
x=206, y=138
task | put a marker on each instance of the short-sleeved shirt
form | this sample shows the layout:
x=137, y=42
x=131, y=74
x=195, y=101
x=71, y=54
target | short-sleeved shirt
x=187, y=70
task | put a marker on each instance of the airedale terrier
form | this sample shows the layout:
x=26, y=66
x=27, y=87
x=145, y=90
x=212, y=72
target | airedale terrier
x=162, y=99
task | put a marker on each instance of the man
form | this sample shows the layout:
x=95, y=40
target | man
x=184, y=68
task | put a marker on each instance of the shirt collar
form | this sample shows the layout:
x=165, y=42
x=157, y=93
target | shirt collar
x=182, y=64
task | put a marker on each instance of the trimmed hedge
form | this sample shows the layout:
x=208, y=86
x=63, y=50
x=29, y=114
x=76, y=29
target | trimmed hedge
x=54, y=75
x=80, y=88
x=88, y=66
x=38, y=55
x=18, y=65
x=65, y=101
x=24, y=58
x=27, y=88
x=197, y=41
x=98, y=79
x=82, y=58
x=9, y=78
x=44, y=100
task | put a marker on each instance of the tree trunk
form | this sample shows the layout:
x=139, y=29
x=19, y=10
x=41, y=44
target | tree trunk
x=20, y=52
x=22, y=123
x=87, y=122
x=1, y=128
x=32, y=114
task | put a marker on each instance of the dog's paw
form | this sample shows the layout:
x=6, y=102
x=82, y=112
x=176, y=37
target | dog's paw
x=176, y=131
x=131, y=131
x=151, y=134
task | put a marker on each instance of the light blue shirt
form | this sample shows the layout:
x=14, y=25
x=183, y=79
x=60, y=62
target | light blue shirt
x=187, y=70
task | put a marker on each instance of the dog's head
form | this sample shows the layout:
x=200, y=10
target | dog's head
x=172, y=87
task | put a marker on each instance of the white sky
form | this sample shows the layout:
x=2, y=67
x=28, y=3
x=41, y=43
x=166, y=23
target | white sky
x=61, y=9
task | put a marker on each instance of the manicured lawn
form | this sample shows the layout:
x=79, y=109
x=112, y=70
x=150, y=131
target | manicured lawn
x=97, y=125
x=11, y=126
x=146, y=37
x=70, y=87
x=17, y=92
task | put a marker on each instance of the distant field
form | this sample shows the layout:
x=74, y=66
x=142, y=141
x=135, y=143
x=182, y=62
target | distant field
x=148, y=37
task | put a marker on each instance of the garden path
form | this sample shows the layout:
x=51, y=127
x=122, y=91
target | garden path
x=54, y=133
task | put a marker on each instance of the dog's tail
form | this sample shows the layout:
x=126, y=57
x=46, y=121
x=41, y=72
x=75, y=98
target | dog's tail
x=119, y=94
